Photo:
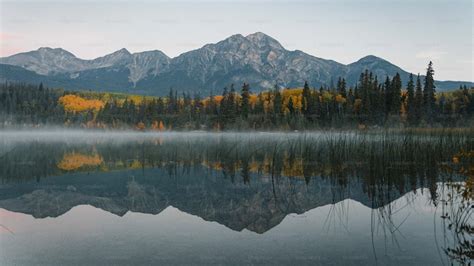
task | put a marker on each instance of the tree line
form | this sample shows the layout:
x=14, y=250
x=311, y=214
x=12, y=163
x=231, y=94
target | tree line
x=369, y=103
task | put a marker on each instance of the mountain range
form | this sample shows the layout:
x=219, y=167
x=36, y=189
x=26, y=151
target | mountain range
x=257, y=59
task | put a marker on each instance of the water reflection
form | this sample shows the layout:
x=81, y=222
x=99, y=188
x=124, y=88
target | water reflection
x=255, y=182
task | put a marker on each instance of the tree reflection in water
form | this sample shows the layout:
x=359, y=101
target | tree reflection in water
x=269, y=177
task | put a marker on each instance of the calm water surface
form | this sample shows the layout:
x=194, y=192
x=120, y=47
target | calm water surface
x=83, y=198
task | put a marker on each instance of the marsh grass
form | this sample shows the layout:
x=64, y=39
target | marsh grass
x=375, y=156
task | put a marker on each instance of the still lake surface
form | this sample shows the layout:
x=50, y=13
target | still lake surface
x=101, y=198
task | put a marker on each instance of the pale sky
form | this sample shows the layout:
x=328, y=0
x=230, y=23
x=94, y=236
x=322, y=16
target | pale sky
x=406, y=33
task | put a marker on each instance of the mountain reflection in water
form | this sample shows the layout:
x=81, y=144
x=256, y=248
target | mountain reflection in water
x=367, y=195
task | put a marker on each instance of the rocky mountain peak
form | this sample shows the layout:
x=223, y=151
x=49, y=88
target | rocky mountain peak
x=369, y=59
x=147, y=63
x=122, y=51
x=231, y=44
x=257, y=59
x=262, y=40
x=54, y=52
x=235, y=38
x=119, y=57
x=152, y=53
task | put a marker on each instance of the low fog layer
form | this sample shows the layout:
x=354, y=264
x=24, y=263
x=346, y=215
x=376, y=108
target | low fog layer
x=88, y=136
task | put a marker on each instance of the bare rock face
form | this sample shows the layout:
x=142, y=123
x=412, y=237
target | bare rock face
x=257, y=59
x=147, y=63
x=46, y=61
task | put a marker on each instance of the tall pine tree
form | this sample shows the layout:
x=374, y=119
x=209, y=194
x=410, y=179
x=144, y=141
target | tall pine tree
x=418, y=100
x=277, y=103
x=306, y=100
x=245, y=104
x=411, y=101
x=429, y=100
x=396, y=88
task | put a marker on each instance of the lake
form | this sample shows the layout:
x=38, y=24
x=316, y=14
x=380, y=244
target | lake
x=175, y=198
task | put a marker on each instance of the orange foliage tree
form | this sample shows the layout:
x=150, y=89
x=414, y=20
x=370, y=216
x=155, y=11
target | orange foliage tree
x=74, y=103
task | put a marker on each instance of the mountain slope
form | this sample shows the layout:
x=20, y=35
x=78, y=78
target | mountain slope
x=45, y=61
x=257, y=59
x=102, y=79
x=382, y=68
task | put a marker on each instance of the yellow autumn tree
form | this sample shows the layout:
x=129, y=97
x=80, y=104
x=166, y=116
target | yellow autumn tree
x=74, y=103
x=253, y=99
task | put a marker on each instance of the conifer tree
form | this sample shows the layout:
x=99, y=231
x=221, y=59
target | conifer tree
x=396, y=88
x=305, y=98
x=171, y=102
x=277, y=102
x=411, y=116
x=291, y=107
x=229, y=106
x=429, y=100
x=418, y=108
x=245, y=104
x=341, y=87
x=388, y=96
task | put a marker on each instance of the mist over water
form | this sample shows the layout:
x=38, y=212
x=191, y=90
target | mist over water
x=346, y=196
x=58, y=135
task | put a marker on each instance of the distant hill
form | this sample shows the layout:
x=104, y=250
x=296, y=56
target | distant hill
x=257, y=59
